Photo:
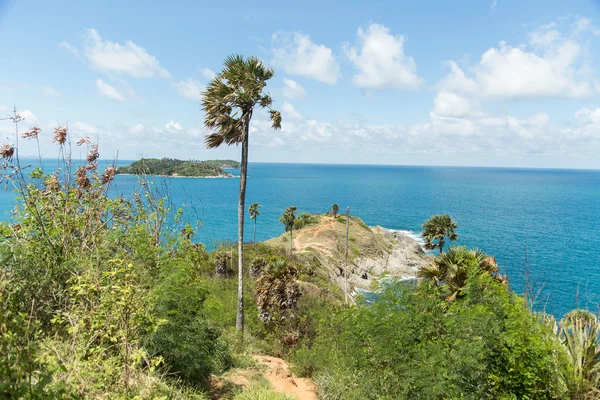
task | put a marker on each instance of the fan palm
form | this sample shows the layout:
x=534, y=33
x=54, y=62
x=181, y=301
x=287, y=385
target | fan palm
x=438, y=228
x=288, y=218
x=254, y=212
x=450, y=270
x=277, y=291
x=228, y=102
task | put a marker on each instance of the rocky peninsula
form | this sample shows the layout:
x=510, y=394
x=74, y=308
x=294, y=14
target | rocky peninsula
x=374, y=252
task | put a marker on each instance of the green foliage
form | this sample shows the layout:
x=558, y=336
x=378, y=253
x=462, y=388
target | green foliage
x=87, y=290
x=335, y=209
x=254, y=210
x=449, y=271
x=580, y=334
x=412, y=344
x=182, y=336
x=438, y=228
x=288, y=218
x=231, y=97
x=174, y=167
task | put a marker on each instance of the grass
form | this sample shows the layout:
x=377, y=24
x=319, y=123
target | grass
x=261, y=390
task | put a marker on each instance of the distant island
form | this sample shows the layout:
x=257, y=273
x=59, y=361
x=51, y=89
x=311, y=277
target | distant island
x=174, y=167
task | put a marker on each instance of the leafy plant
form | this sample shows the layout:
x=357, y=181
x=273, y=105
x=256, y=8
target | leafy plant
x=439, y=227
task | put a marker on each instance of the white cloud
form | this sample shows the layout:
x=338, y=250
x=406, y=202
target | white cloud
x=289, y=112
x=139, y=128
x=552, y=65
x=107, y=90
x=208, y=73
x=292, y=89
x=122, y=59
x=49, y=91
x=28, y=116
x=83, y=128
x=190, y=89
x=380, y=60
x=448, y=104
x=173, y=127
x=297, y=54
x=66, y=46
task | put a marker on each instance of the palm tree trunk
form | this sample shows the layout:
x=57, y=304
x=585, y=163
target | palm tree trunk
x=441, y=246
x=254, y=239
x=239, y=319
x=291, y=241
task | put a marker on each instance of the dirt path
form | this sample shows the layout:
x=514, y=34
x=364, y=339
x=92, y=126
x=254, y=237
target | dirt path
x=278, y=374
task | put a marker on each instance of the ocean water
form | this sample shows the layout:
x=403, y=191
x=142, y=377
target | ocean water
x=543, y=226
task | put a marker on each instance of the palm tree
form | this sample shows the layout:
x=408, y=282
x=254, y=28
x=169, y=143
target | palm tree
x=277, y=291
x=229, y=102
x=439, y=227
x=335, y=209
x=288, y=218
x=580, y=334
x=450, y=270
x=254, y=213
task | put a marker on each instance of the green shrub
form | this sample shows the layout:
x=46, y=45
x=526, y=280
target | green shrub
x=412, y=344
x=183, y=337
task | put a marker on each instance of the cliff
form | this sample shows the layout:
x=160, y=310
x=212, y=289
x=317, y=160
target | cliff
x=374, y=252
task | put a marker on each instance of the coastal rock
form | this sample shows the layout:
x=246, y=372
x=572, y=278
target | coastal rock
x=374, y=252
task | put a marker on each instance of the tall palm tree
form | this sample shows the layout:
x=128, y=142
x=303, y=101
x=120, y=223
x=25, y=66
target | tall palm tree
x=439, y=227
x=288, y=218
x=254, y=212
x=229, y=102
x=450, y=270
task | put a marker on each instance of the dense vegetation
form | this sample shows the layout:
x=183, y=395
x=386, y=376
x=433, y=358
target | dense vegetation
x=109, y=297
x=173, y=167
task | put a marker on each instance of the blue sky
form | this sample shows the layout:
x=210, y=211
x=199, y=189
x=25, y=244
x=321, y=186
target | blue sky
x=492, y=83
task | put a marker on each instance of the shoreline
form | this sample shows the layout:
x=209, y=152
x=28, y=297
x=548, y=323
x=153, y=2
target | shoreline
x=188, y=177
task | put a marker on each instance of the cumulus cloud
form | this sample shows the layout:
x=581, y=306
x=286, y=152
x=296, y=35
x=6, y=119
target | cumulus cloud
x=173, y=127
x=297, y=54
x=109, y=91
x=190, y=89
x=448, y=104
x=49, y=91
x=551, y=65
x=292, y=89
x=126, y=59
x=380, y=60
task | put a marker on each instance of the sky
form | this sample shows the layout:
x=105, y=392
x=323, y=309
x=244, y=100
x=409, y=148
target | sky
x=468, y=83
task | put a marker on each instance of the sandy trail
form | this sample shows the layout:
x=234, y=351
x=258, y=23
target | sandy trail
x=278, y=374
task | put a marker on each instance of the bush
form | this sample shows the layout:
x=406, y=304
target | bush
x=183, y=338
x=411, y=343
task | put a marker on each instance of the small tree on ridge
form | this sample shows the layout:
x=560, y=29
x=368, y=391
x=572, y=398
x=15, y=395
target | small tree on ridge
x=288, y=218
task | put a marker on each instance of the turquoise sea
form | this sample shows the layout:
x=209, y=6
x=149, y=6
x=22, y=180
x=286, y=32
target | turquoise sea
x=540, y=223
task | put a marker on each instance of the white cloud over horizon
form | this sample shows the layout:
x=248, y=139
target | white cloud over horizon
x=126, y=59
